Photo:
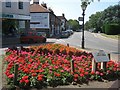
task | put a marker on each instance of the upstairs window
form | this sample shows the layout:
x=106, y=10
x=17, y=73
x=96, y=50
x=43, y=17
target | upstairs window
x=8, y=4
x=20, y=5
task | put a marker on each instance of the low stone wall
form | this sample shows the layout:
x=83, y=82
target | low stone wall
x=10, y=41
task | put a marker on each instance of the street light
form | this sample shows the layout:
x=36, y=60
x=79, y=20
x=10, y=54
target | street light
x=83, y=6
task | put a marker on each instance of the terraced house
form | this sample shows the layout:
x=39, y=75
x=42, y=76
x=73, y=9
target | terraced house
x=15, y=17
x=43, y=19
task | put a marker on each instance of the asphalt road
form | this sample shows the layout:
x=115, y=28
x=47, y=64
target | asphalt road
x=92, y=41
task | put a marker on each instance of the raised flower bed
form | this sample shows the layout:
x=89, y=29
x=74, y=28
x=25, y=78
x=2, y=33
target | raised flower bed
x=50, y=65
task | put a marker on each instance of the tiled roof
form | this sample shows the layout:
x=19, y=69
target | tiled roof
x=61, y=17
x=38, y=8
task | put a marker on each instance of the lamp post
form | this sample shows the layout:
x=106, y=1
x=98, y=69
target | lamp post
x=83, y=6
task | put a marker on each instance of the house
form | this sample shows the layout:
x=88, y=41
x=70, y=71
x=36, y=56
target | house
x=63, y=22
x=15, y=19
x=44, y=19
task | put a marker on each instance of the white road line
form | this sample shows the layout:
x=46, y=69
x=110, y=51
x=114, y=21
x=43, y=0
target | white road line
x=60, y=40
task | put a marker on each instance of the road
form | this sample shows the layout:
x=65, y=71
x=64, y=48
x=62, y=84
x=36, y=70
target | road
x=92, y=41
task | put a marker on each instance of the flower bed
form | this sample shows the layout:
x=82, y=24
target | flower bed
x=50, y=65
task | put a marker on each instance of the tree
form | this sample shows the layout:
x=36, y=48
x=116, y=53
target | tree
x=111, y=14
x=73, y=24
x=108, y=16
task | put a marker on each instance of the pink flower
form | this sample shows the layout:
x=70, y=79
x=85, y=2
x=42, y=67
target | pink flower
x=82, y=75
x=101, y=74
x=97, y=72
x=87, y=69
x=61, y=70
x=86, y=73
x=11, y=76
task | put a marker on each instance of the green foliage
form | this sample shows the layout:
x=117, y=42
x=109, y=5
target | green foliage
x=97, y=29
x=103, y=29
x=74, y=24
x=108, y=16
x=112, y=29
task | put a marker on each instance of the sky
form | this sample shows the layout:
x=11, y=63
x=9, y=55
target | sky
x=72, y=8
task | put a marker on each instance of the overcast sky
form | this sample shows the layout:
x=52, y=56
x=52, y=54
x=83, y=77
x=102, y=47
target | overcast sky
x=72, y=8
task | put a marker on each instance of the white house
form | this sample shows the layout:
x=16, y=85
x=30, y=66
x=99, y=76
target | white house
x=15, y=14
x=44, y=20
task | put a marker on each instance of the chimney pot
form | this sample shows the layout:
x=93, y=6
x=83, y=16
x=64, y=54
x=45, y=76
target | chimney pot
x=35, y=1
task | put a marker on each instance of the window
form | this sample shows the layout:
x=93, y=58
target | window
x=20, y=5
x=8, y=4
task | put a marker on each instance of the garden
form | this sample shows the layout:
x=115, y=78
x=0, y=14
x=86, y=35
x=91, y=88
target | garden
x=50, y=65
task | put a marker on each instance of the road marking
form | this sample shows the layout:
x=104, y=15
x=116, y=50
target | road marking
x=60, y=40
x=97, y=35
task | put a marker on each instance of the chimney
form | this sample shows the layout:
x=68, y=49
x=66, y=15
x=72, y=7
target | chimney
x=44, y=5
x=63, y=15
x=35, y=1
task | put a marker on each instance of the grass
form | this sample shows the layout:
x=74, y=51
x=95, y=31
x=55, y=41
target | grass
x=111, y=36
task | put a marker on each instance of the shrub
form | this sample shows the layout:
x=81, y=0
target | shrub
x=103, y=29
x=112, y=29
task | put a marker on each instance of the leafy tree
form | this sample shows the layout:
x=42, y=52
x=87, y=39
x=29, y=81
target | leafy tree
x=73, y=24
x=87, y=25
x=108, y=16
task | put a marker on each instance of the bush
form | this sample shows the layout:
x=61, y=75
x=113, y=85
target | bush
x=103, y=29
x=97, y=29
x=112, y=29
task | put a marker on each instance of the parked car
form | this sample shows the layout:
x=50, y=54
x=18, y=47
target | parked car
x=32, y=37
x=42, y=33
x=78, y=30
x=64, y=34
x=70, y=31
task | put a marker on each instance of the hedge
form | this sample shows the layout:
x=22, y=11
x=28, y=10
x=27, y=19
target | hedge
x=112, y=29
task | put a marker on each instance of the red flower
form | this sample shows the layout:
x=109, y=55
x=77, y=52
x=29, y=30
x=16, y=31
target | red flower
x=40, y=77
x=27, y=81
x=11, y=76
x=26, y=70
x=34, y=74
x=82, y=75
x=114, y=69
x=76, y=75
x=86, y=73
x=57, y=74
x=21, y=81
x=25, y=78
x=92, y=72
x=41, y=70
x=32, y=71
